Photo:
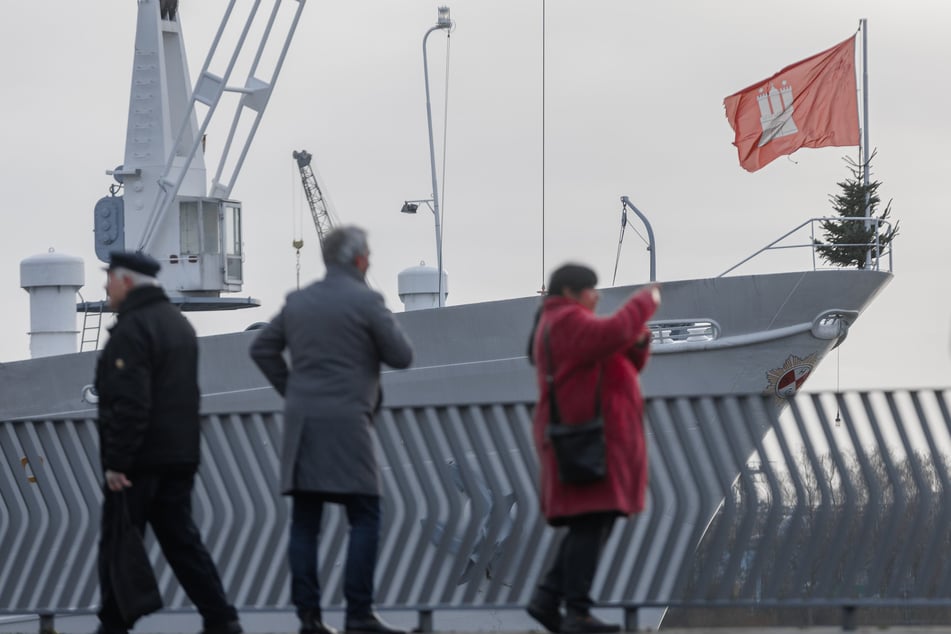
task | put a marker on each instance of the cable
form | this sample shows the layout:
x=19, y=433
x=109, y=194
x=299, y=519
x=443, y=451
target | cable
x=620, y=239
x=543, y=147
x=838, y=367
x=297, y=225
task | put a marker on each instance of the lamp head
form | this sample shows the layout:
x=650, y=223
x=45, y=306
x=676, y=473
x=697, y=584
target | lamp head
x=409, y=208
x=443, y=17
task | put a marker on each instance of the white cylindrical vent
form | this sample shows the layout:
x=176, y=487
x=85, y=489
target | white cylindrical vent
x=52, y=280
x=418, y=287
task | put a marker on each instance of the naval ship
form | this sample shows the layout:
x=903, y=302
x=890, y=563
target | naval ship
x=462, y=524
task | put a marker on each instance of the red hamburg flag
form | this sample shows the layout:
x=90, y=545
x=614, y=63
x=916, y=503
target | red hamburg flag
x=811, y=103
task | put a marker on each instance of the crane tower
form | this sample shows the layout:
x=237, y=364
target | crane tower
x=319, y=207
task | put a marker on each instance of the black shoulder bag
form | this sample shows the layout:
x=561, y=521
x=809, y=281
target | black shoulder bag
x=579, y=447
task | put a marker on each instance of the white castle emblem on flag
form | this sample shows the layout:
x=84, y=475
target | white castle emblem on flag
x=776, y=112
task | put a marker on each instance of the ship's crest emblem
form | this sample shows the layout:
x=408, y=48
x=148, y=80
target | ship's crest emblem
x=786, y=381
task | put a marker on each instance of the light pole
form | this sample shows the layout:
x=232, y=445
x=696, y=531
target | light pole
x=410, y=207
x=442, y=22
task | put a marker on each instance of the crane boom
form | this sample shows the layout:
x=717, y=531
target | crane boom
x=315, y=197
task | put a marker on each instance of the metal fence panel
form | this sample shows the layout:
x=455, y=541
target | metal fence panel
x=842, y=498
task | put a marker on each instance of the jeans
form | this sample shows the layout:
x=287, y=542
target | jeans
x=363, y=514
x=164, y=501
x=572, y=572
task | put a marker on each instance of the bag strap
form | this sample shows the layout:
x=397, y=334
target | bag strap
x=554, y=413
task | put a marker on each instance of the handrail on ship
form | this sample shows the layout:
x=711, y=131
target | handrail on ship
x=875, y=262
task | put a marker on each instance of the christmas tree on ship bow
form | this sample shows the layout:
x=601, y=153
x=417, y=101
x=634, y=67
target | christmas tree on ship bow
x=862, y=236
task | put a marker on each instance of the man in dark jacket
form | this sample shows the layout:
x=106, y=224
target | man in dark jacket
x=147, y=381
x=338, y=332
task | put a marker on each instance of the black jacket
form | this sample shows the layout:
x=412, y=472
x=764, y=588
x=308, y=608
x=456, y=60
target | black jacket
x=147, y=379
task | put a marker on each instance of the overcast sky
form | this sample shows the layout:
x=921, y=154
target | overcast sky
x=634, y=106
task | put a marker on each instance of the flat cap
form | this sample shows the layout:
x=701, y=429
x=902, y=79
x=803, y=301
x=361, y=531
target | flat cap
x=134, y=261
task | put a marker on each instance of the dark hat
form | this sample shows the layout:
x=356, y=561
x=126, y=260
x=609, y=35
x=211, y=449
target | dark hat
x=134, y=261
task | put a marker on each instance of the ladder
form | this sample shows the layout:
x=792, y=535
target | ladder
x=92, y=325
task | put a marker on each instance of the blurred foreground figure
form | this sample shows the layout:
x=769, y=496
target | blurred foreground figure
x=147, y=382
x=338, y=331
x=589, y=434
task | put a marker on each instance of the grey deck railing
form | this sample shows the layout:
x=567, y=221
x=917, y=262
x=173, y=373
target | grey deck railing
x=843, y=500
x=876, y=249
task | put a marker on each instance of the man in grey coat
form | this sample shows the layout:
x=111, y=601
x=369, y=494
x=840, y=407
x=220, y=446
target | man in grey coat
x=338, y=331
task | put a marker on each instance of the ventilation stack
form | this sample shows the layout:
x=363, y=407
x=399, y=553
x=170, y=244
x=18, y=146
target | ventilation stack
x=52, y=280
x=418, y=287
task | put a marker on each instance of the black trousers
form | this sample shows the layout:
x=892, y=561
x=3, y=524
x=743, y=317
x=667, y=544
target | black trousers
x=572, y=572
x=164, y=501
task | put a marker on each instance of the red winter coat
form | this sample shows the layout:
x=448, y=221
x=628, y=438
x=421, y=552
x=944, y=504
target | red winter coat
x=581, y=343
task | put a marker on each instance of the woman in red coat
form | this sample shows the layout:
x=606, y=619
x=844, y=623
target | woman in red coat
x=582, y=348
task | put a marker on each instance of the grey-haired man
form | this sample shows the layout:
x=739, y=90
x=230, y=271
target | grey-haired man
x=147, y=381
x=338, y=331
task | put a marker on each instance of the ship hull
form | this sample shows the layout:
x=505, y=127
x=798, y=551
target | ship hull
x=476, y=353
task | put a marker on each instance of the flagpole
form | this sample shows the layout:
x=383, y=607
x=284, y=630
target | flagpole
x=863, y=25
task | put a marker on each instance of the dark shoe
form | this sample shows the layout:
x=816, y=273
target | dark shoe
x=230, y=627
x=371, y=624
x=586, y=624
x=312, y=623
x=543, y=607
x=102, y=629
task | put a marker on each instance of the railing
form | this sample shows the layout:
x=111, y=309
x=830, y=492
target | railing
x=843, y=501
x=873, y=247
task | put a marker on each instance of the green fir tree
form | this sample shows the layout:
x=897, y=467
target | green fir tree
x=846, y=242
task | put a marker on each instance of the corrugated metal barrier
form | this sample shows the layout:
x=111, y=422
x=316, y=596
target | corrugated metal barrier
x=842, y=500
